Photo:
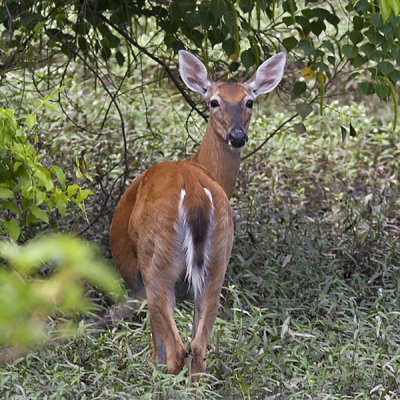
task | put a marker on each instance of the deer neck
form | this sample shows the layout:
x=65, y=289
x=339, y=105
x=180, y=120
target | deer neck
x=220, y=160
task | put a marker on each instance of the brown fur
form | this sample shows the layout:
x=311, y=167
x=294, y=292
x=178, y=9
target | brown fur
x=143, y=231
x=143, y=238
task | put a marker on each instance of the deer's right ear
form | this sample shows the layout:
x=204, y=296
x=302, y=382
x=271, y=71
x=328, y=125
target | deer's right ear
x=193, y=73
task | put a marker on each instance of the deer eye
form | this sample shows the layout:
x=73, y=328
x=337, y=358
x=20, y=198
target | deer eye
x=249, y=103
x=214, y=103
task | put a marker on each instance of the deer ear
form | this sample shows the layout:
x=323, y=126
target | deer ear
x=267, y=76
x=193, y=73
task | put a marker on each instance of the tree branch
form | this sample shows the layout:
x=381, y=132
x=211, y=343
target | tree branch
x=158, y=61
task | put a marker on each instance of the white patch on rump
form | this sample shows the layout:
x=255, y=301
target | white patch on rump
x=195, y=274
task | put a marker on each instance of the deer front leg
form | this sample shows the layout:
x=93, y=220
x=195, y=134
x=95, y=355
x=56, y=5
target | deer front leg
x=167, y=345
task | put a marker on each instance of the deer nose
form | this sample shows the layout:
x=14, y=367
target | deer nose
x=237, y=138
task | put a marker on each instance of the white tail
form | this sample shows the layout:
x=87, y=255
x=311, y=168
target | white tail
x=174, y=222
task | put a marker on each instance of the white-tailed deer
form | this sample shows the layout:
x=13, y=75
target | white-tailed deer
x=174, y=222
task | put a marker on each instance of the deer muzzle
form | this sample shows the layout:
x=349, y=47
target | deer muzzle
x=237, y=138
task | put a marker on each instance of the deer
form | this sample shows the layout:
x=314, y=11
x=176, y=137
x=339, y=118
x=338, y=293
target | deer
x=174, y=222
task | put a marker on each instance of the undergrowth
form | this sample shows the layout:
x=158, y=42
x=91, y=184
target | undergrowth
x=310, y=306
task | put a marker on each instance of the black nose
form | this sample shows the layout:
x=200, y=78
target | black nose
x=237, y=138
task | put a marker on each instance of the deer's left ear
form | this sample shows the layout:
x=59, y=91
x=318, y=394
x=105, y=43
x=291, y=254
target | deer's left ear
x=267, y=76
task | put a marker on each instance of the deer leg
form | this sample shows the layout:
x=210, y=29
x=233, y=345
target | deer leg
x=167, y=345
x=206, y=308
x=158, y=348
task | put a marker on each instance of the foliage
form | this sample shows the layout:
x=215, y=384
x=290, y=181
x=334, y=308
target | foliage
x=309, y=30
x=101, y=32
x=310, y=304
x=27, y=301
x=311, y=299
x=27, y=188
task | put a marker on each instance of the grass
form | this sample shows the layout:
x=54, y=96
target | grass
x=310, y=307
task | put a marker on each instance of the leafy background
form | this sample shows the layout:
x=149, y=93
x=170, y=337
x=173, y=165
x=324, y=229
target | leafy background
x=91, y=97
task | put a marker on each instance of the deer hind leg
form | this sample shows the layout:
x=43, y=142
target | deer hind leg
x=206, y=309
x=159, y=356
x=167, y=345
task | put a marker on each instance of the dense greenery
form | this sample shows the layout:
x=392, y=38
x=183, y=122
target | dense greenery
x=310, y=306
x=26, y=303
x=311, y=299
x=360, y=36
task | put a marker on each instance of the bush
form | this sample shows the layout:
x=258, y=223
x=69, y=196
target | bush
x=29, y=191
x=26, y=299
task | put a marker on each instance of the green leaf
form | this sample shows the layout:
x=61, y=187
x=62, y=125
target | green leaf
x=303, y=109
x=369, y=50
x=382, y=91
x=332, y=60
x=385, y=9
x=304, y=23
x=308, y=49
x=113, y=40
x=45, y=178
x=375, y=37
x=395, y=76
x=83, y=44
x=290, y=43
x=333, y=19
x=61, y=205
x=83, y=194
x=320, y=13
x=385, y=68
x=40, y=214
x=40, y=196
x=120, y=58
x=247, y=58
x=395, y=6
x=356, y=36
x=246, y=5
x=59, y=173
x=13, y=228
x=216, y=36
x=394, y=98
x=358, y=23
x=376, y=20
x=8, y=205
x=299, y=88
x=366, y=88
x=78, y=173
x=17, y=164
x=6, y=193
x=329, y=46
x=230, y=20
x=72, y=189
x=29, y=19
x=206, y=18
x=218, y=8
x=396, y=55
x=30, y=121
x=357, y=61
x=317, y=27
x=349, y=51
x=229, y=46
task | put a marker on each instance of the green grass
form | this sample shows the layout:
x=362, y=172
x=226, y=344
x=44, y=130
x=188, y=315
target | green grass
x=310, y=307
